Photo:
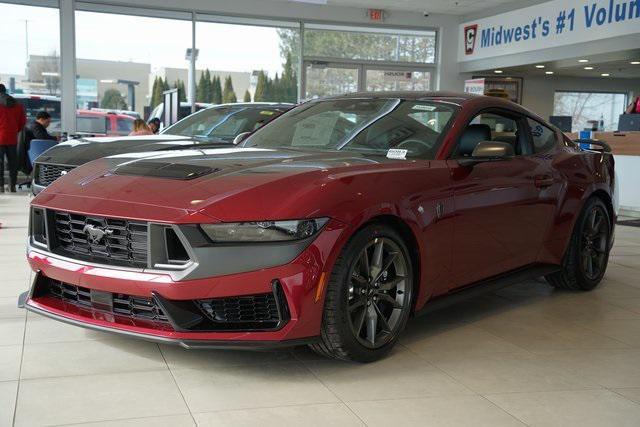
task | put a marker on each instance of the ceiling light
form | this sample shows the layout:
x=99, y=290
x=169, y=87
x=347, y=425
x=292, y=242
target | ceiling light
x=50, y=74
x=605, y=74
x=548, y=72
x=583, y=60
x=588, y=68
x=497, y=71
x=635, y=63
x=540, y=66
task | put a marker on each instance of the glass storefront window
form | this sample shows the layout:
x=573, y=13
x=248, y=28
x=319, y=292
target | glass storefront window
x=124, y=62
x=588, y=106
x=378, y=80
x=259, y=65
x=370, y=46
x=30, y=65
x=325, y=80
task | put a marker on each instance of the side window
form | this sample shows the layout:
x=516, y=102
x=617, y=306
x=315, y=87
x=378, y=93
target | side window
x=494, y=126
x=543, y=137
x=125, y=126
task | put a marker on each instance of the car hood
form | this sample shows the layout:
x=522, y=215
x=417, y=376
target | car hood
x=223, y=184
x=77, y=152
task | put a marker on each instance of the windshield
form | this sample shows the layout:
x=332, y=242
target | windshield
x=223, y=123
x=371, y=126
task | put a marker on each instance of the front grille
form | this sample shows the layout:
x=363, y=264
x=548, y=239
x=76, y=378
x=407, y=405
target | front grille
x=259, y=312
x=103, y=240
x=46, y=174
x=245, y=312
x=125, y=305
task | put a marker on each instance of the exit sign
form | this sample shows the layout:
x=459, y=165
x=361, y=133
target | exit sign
x=376, y=15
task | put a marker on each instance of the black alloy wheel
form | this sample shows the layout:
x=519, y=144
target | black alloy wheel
x=369, y=296
x=377, y=292
x=587, y=255
x=594, y=241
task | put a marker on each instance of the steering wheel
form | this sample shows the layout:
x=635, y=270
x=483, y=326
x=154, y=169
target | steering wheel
x=419, y=146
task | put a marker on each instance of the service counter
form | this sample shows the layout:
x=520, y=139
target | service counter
x=622, y=143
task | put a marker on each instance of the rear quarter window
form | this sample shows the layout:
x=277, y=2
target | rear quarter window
x=543, y=137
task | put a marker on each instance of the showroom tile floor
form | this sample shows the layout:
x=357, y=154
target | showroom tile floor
x=527, y=355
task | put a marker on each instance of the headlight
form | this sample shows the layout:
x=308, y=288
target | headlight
x=264, y=231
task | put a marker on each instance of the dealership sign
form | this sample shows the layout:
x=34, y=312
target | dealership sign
x=474, y=86
x=546, y=25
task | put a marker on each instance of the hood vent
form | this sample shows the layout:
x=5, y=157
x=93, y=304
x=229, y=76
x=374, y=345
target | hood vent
x=157, y=169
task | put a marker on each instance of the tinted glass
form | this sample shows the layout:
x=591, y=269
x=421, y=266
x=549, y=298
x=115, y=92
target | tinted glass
x=543, y=137
x=223, y=123
x=368, y=126
x=125, y=126
x=91, y=125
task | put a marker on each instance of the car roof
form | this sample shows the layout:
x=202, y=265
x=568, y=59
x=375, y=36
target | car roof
x=256, y=105
x=103, y=114
x=458, y=98
x=35, y=96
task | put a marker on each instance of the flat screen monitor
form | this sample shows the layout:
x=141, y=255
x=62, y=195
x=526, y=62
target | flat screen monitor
x=629, y=122
x=563, y=123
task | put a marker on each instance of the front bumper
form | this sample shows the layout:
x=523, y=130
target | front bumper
x=185, y=343
x=36, y=188
x=299, y=281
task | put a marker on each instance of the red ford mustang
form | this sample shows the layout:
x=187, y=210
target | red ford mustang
x=330, y=226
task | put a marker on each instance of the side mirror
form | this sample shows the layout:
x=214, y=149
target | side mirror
x=488, y=151
x=241, y=137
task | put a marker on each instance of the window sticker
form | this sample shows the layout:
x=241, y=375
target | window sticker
x=315, y=130
x=267, y=113
x=397, y=153
x=423, y=107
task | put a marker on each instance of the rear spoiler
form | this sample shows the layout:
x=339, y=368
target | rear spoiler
x=593, y=144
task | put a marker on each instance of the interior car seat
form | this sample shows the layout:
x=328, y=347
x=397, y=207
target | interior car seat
x=473, y=134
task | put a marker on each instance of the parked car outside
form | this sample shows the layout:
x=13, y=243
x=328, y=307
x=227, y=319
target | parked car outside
x=100, y=123
x=184, y=111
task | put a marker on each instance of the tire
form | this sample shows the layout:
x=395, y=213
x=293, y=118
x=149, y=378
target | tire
x=588, y=240
x=363, y=316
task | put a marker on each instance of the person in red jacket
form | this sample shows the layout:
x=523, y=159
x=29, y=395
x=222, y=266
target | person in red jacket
x=12, y=121
x=634, y=107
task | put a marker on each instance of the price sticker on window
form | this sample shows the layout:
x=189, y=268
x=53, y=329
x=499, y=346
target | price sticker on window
x=397, y=154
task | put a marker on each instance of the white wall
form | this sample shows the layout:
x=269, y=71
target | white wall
x=628, y=174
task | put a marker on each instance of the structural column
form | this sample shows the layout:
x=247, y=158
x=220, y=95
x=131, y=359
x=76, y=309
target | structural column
x=68, y=65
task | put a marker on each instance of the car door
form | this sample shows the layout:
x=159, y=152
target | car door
x=500, y=218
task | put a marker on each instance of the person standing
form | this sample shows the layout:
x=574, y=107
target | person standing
x=140, y=127
x=154, y=125
x=12, y=121
x=634, y=107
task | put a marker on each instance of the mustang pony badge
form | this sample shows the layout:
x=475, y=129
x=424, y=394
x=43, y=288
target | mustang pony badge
x=95, y=234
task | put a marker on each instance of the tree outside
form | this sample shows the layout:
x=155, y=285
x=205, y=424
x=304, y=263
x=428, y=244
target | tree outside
x=113, y=100
x=247, y=96
x=182, y=92
x=216, y=90
x=228, y=94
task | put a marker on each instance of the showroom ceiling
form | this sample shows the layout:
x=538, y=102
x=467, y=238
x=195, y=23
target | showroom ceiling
x=622, y=64
x=455, y=7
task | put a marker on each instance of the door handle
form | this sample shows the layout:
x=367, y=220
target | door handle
x=542, y=181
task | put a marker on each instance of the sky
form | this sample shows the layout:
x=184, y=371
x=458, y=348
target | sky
x=160, y=42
